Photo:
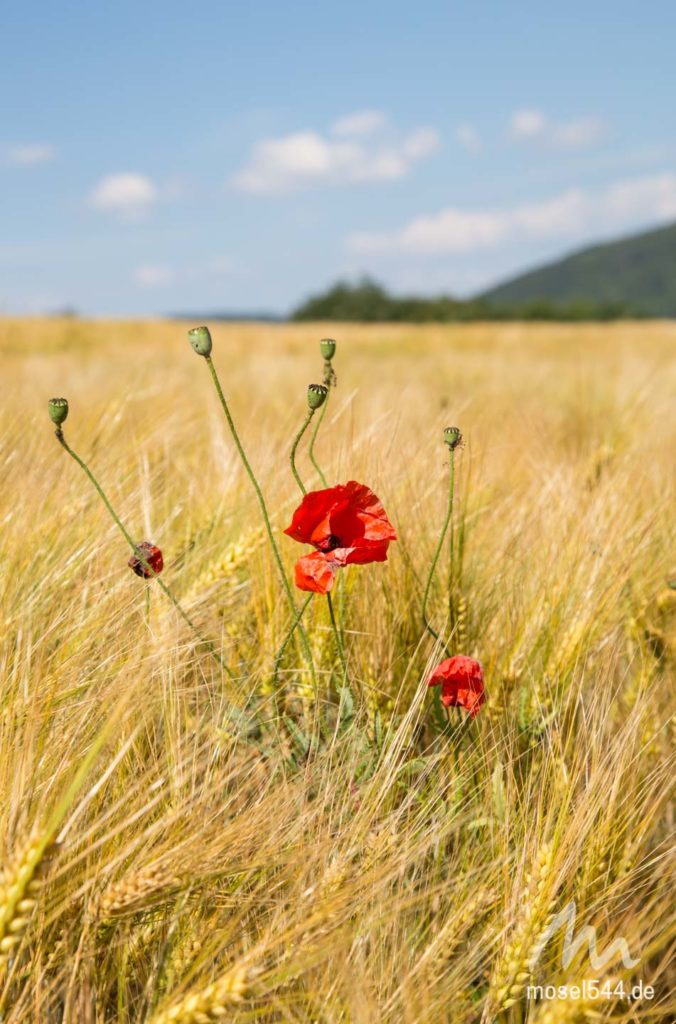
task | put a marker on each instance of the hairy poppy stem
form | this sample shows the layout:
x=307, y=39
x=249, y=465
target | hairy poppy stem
x=311, y=449
x=294, y=447
x=339, y=642
x=287, y=638
x=327, y=347
x=149, y=569
x=264, y=512
x=451, y=579
x=448, y=523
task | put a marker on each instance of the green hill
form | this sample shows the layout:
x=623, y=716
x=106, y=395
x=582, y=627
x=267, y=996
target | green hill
x=637, y=274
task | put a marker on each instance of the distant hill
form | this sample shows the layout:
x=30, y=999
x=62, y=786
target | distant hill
x=367, y=301
x=632, y=277
x=225, y=317
x=637, y=274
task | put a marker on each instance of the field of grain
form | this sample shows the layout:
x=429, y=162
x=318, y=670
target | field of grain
x=183, y=841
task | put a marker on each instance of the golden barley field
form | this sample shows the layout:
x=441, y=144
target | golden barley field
x=185, y=838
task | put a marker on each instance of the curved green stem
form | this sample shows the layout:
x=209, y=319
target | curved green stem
x=448, y=522
x=264, y=512
x=339, y=642
x=287, y=638
x=311, y=449
x=330, y=381
x=451, y=579
x=132, y=544
x=294, y=446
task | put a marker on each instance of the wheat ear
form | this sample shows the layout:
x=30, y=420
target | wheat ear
x=20, y=885
x=212, y=1003
x=513, y=970
x=136, y=892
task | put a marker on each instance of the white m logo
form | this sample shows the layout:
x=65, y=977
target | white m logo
x=572, y=943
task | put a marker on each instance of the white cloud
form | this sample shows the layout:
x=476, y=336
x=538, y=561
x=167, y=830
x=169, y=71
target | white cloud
x=420, y=144
x=534, y=126
x=127, y=193
x=305, y=159
x=527, y=124
x=158, y=275
x=31, y=154
x=579, y=134
x=468, y=137
x=153, y=276
x=363, y=122
x=577, y=213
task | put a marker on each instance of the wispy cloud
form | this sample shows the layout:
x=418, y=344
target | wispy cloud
x=126, y=193
x=306, y=159
x=158, y=275
x=531, y=125
x=151, y=275
x=362, y=122
x=30, y=154
x=468, y=137
x=576, y=213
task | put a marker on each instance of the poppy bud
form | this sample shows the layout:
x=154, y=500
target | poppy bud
x=58, y=410
x=452, y=437
x=200, y=339
x=147, y=557
x=316, y=395
x=327, y=347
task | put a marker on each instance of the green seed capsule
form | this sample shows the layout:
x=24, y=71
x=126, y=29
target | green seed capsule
x=452, y=437
x=58, y=410
x=327, y=347
x=200, y=339
x=316, y=395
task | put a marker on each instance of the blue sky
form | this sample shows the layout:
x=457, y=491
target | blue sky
x=159, y=157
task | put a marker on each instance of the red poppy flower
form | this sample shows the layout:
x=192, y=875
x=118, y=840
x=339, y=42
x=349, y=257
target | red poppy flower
x=462, y=683
x=148, y=553
x=346, y=525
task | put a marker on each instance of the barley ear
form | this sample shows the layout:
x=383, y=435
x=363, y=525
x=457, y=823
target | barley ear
x=513, y=971
x=212, y=1003
x=140, y=890
x=20, y=885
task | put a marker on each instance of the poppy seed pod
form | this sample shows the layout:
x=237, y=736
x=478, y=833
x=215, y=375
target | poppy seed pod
x=58, y=410
x=327, y=347
x=316, y=395
x=200, y=339
x=452, y=437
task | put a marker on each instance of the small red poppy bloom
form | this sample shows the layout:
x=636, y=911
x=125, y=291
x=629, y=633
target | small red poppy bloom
x=346, y=525
x=462, y=683
x=148, y=553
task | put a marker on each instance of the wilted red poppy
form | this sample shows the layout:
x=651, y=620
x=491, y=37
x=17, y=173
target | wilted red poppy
x=148, y=553
x=462, y=683
x=346, y=525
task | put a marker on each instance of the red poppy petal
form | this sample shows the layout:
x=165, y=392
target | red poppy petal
x=438, y=676
x=351, y=512
x=449, y=695
x=362, y=554
x=370, y=510
x=150, y=554
x=454, y=696
x=462, y=670
x=315, y=573
x=312, y=511
x=473, y=701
